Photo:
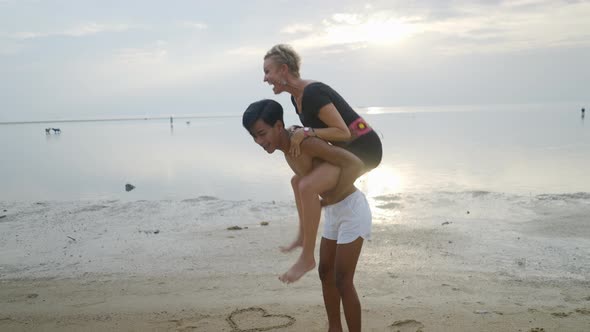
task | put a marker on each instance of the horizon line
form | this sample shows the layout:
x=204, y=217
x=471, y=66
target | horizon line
x=118, y=119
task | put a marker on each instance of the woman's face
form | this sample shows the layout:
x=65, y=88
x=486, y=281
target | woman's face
x=274, y=75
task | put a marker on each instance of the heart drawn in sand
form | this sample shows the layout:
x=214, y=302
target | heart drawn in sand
x=255, y=319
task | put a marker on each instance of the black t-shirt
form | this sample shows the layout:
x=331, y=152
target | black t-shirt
x=317, y=95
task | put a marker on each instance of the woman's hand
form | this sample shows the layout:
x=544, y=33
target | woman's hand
x=297, y=137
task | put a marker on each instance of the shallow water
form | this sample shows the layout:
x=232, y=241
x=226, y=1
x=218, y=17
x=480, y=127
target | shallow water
x=527, y=150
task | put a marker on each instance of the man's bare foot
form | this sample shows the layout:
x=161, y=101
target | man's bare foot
x=298, y=269
x=297, y=243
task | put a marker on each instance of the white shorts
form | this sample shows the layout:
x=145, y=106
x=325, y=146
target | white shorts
x=348, y=219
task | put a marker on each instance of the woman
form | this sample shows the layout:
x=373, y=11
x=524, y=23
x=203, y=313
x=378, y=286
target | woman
x=325, y=114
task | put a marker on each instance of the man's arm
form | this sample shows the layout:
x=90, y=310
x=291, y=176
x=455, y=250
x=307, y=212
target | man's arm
x=351, y=166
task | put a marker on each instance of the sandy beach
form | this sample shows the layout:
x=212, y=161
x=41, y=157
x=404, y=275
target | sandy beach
x=468, y=261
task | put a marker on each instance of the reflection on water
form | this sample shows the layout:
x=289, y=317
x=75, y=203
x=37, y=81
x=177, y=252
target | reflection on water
x=531, y=151
x=383, y=180
x=52, y=137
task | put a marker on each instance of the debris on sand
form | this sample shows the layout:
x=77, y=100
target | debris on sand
x=149, y=231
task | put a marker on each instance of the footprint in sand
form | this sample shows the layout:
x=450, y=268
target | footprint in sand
x=255, y=319
x=183, y=326
x=561, y=314
x=408, y=325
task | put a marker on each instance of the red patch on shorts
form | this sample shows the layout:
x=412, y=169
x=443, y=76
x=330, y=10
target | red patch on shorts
x=359, y=127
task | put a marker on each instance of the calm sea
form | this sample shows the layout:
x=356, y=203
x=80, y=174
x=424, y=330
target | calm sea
x=530, y=149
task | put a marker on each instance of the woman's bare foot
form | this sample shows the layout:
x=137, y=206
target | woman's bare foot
x=297, y=243
x=298, y=269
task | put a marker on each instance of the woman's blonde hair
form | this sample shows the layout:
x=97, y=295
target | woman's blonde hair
x=285, y=54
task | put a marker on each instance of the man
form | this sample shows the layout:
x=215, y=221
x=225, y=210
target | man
x=347, y=219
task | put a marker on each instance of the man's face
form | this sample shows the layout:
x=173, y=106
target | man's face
x=266, y=136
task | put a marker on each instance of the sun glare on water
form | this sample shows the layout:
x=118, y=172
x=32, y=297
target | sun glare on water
x=375, y=110
x=383, y=180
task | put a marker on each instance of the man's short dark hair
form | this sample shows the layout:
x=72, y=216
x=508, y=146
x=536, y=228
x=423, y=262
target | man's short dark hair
x=267, y=109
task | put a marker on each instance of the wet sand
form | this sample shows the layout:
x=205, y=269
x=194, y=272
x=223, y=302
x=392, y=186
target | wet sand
x=472, y=261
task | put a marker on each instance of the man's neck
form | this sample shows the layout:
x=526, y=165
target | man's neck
x=285, y=143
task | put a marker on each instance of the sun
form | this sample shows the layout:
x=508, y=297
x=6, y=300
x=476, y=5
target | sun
x=386, y=32
x=376, y=30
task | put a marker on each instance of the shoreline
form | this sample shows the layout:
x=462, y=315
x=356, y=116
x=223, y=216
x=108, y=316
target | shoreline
x=507, y=265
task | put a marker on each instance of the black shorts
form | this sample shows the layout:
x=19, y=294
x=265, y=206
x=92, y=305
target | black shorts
x=368, y=148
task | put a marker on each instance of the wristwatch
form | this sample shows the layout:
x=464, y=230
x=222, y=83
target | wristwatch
x=307, y=131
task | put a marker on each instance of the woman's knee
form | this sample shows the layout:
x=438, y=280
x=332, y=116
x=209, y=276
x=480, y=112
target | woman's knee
x=305, y=186
x=321, y=179
x=313, y=184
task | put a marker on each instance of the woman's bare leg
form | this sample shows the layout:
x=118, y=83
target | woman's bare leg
x=298, y=242
x=321, y=179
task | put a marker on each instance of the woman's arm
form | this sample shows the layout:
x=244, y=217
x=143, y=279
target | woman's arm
x=336, y=131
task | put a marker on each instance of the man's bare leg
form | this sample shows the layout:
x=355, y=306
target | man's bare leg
x=321, y=179
x=347, y=256
x=329, y=289
x=298, y=242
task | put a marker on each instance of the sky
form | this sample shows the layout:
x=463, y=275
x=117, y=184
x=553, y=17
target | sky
x=81, y=59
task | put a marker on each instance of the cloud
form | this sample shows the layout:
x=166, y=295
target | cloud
x=90, y=28
x=345, y=31
x=297, y=28
x=513, y=26
x=347, y=19
x=143, y=56
x=194, y=25
x=460, y=27
x=247, y=51
x=132, y=69
x=157, y=67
